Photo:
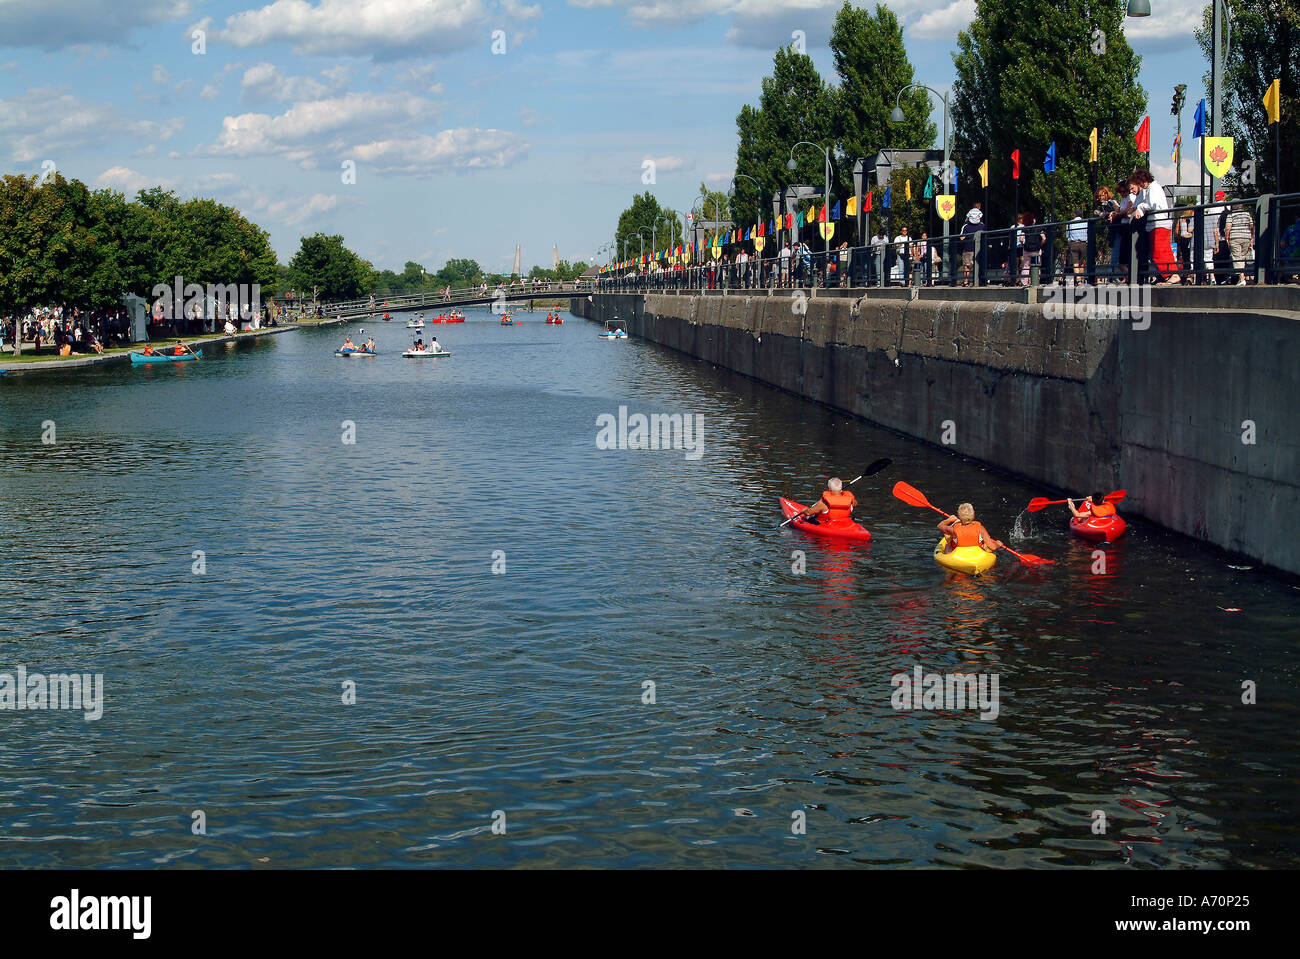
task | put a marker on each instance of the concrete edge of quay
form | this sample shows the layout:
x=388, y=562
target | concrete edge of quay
x=1189, y=412
x=81, y=362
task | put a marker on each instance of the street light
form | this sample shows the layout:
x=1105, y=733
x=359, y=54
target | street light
x=897, y=116
x=1139, y=8
x=826, y=197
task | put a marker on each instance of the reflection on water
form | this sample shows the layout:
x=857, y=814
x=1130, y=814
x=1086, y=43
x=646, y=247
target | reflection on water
x=523, y=690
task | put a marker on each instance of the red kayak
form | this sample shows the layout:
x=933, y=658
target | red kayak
x=1099, y=529
x=850, y=530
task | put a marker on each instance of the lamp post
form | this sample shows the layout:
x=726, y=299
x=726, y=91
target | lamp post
x=826, y=197
x=897, y=116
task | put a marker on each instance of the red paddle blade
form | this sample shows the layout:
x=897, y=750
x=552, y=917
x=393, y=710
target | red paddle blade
x=1116, y=496
x=911, y=495
x=1038, y=502
x=1029, y=559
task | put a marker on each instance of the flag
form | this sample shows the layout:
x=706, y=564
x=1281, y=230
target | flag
x=947, y=205
x=1199, y=129
x=928, y=192
x=1178, y=142
x=954, y=178
x=851, y=207
x=747, y=233
x=866, y=202
x=907, y=189
x=1015, y=164
x=1092, y=146
x=1273, y=101
x=1049, y=164
x=885, y=202
x=984, y=174
x=1143, y=136
x=762, y=229
x=1218, y=155
x=798, y=219
x=835, y=213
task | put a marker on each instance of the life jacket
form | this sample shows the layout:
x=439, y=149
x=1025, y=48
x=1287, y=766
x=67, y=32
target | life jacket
x=1103, y=509
x=967, y=535
x=178, y=352
x=148, y=350
x=839, y=506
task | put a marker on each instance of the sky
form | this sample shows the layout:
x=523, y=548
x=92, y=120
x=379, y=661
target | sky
x=430, y=129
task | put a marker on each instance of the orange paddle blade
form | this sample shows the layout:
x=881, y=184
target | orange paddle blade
x=1039, y=502
x=1029, y=559
x=1116, y=496
x=911, y=495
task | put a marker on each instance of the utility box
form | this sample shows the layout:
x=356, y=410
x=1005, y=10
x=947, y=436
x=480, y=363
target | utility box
x=137, y=317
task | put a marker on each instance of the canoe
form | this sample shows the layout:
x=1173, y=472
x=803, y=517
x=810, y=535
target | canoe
x=355, y=353
x=165, y=357
x=844, y=531
x=963, y=559
x=620, y=335
x=1099, y=529
x=421, y=354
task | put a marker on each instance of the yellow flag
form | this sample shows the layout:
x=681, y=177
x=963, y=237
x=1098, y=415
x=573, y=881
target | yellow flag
x=984, y=173
x=947, y=205
x=1273, y=101
x=907, y=189
x=851, y=207
x=1092, y=141
x=1218, y=155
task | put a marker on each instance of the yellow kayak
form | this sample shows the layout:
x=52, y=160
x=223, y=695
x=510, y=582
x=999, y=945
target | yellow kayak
x=963, y=559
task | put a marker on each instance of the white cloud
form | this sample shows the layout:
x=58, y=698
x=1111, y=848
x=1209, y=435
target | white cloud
x=463, y=149
x=129, y=181
x=55, y=24
x=45, y=123
x=666, y=164
x=381, y=29
x=263, y=81
x=318, y=124
x=944, y=23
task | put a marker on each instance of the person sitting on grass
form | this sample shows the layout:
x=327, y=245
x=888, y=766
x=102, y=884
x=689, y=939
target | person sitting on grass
x=963, y=530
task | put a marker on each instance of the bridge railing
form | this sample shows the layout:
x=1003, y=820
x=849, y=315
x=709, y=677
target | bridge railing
x=1263, y=244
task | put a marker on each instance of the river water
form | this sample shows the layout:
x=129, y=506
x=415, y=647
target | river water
x=517, y=698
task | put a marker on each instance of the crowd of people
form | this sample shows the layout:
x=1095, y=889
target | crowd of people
x=68, y=332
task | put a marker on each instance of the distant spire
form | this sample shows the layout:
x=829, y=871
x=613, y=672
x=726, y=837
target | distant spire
x=516, y=269
x=555, y=254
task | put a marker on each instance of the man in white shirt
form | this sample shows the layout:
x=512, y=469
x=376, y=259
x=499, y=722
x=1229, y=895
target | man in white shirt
x=785, y=264
x=901, y=244
x=1152, y=207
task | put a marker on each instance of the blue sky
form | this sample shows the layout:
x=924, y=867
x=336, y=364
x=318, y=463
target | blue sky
x=458, y=151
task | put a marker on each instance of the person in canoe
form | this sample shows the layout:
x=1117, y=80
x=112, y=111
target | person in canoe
x=148, y=349
x=418, y=346
x=964, y=530
x=180, y=349
x=434, y=345
x=837, y=503
x=348, y=344
x=1090, y=507
x=370, y=345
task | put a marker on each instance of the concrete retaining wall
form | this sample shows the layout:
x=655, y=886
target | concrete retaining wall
x=1077, y=404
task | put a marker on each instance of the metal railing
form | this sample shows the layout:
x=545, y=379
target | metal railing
x=1261, y=246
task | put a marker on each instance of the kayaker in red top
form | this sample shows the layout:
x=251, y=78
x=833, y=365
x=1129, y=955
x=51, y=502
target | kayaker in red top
x=837, y=503
x=179, y=349
x=963, y=530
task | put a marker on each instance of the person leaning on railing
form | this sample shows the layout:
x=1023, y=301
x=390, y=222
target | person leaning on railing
x=1152, y=207
x=1240, y=235
x=1076, y=243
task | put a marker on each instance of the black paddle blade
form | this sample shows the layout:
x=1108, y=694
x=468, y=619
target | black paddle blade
x=877, y=466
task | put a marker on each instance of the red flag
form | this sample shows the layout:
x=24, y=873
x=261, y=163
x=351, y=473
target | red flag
x=866, y=202
x=762, y=229
x=821, y=217
x=1015, y=164
x=1143, y=137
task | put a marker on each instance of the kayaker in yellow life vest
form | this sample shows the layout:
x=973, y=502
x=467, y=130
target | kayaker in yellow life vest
x=1089, y=508
x=963, y=530
x=837, y=503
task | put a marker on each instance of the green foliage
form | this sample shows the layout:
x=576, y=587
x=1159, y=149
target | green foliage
x=795, y=104
x=1027, y=75
x=873, y=67
x=646, y=214
x=563, y=273
x=1265, y=47
x=62, y=244
x=325, y=263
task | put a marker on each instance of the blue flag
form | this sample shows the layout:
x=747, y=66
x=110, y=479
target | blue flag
x=1200, y=120
x=954, y=178
x=835, y=211
x=885, y=201
x=1049, y=164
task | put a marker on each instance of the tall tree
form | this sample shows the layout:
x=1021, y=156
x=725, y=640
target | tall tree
x=1042, y=71
x=873, y=67
x=646, y=214
x=1265, y=47
x=795, y=104
x=324, y=262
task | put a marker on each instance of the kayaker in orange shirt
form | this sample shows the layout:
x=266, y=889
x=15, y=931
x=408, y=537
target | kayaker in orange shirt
x=1089, y=508
x=837, y=503
x=179, y=349
x=963, y=530
x=148, y=349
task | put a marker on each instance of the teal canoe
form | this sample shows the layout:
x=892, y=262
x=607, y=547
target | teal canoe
x=165, y=357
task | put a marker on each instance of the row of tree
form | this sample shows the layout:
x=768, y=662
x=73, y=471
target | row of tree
x=63, y=244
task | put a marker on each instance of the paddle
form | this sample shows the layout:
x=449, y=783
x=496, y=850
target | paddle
x=914, y=497
x=872, y=470
x=1039, y=502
